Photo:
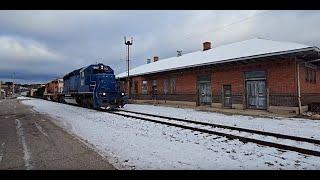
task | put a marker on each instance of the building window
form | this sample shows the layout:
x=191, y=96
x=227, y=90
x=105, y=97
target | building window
x=166, y=86
x=310, y=75
x=136, y=87
x=172, y=85
x=154, y=82
x=154, y=89
x=144, y=87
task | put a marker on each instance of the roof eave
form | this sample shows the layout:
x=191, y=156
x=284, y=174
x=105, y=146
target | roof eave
x=232, y=60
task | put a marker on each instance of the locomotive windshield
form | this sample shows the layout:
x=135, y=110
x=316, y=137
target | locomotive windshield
x=101, y=69
x=98, y=71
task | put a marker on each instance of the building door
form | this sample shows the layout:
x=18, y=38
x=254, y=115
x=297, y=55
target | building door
x=205, y=93
x=227, y=101
x=256, y=94
x=204, y=90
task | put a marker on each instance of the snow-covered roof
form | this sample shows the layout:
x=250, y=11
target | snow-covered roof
x=237, y=51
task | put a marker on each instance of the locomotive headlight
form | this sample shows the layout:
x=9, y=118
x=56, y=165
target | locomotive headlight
x=104, y=93
x=122, y=94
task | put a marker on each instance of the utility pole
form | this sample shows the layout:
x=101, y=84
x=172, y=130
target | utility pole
x=128, y=44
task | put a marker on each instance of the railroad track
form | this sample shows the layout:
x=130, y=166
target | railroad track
x=190, y=125
x=285, y=142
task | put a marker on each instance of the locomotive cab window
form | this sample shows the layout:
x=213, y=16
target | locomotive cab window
x=100, y=69
x=82, y=78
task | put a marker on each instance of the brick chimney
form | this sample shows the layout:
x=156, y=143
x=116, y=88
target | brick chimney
x=155, y=58
x=206, y=46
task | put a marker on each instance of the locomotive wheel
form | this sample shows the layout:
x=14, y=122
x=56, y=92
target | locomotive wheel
x=81, y=102
x=90, y=104
x=84, y=103
x=78, y=100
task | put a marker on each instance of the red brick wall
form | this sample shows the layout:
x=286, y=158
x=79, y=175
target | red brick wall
x=231, y=75
x=310, y=92
x=280, y=77
x=307, y=87
x=186, y=83
x=139, y=80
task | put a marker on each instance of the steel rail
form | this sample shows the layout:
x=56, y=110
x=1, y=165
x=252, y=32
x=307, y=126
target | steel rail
x=228, y=136
x=283, y=136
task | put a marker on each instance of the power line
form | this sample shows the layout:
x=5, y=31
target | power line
x=188, y=36
x=233, y=23
x=218, y=28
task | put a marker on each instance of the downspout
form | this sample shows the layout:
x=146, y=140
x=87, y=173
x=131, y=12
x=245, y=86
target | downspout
x=299, y=89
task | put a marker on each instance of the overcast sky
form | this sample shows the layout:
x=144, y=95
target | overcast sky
x=41, y=45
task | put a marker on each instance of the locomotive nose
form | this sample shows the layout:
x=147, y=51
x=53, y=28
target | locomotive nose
x=102, y=90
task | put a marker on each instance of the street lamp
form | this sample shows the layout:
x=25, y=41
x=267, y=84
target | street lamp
x=128, y=44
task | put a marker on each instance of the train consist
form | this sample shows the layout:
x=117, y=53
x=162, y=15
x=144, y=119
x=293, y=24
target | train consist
x=94, y=86
x=53, y=90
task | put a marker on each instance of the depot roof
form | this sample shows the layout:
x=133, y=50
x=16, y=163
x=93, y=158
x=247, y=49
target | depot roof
x=248, y=49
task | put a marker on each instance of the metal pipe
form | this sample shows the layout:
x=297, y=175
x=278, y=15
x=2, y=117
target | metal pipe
x=298, y=85
x=315, y=60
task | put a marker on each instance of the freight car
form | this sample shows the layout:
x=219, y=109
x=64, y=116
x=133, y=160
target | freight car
x=94, y=86
x=53, y=90
x=39, y=92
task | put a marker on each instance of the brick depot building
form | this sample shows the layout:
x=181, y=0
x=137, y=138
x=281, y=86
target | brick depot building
x=251, y=74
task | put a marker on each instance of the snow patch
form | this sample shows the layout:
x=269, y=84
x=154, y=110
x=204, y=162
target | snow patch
x=40, y=129
x=1, y=151
x=136, y=144
x=26, y=152
x=290, y=126
x=23, y=98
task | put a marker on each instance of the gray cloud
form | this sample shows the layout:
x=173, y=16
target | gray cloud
x=40, y=45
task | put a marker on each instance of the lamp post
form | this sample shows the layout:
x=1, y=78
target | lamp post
x=128, y=44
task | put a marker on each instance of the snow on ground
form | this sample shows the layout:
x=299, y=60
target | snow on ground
x=23, y=98
x=136, y=144
x=291, y=126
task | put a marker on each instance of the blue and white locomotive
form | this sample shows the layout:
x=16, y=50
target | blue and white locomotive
x=94, y=86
